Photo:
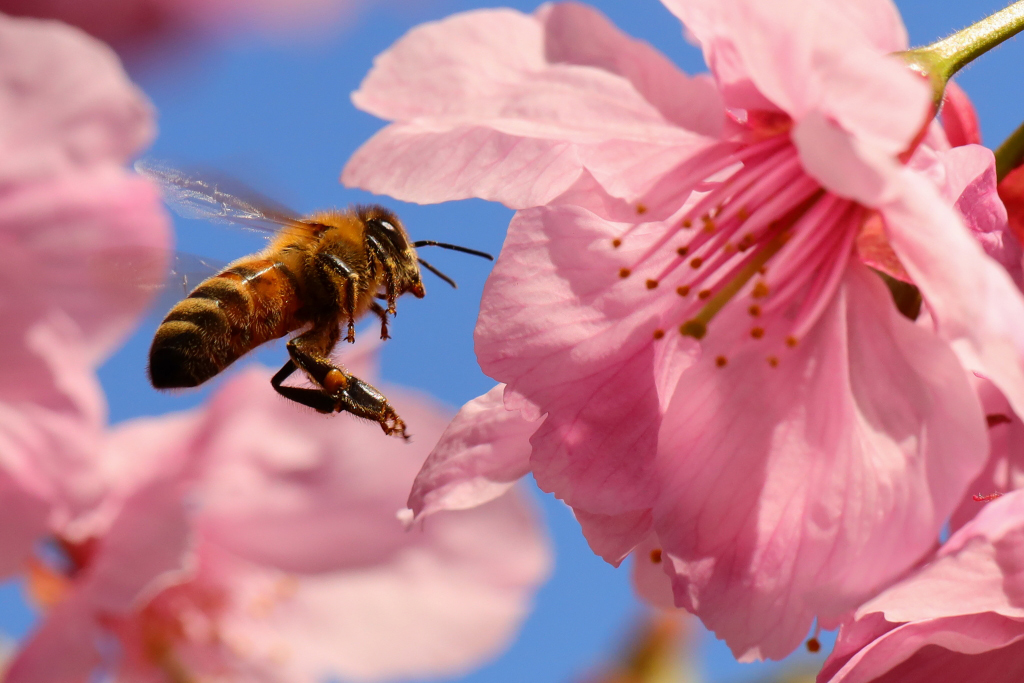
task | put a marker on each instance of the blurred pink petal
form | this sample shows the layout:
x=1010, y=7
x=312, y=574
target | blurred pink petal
x=694, y=357
x=257, y=540
x=141, y=24
x=959, y=119
x=481, y=454
x=69, y=216
x=517, y=120
x=960, y=617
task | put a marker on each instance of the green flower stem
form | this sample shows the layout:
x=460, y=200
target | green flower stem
x=943, y=58
x=1010, y=154
x=963, y=47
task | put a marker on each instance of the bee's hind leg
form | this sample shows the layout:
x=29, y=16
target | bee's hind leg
x=341, y=390
x=313, y=398
x=363, y=400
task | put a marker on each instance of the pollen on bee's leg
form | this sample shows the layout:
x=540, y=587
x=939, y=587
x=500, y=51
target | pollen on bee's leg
x=721, y=361
x=652, y=284
x=656, y=556
x=335, y=381
x=693, y=328
x=624, y=272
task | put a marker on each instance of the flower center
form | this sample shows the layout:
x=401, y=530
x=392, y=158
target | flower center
x=763, y=231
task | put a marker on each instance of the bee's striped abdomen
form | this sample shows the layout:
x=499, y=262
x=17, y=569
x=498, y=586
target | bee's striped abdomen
x=252, y=301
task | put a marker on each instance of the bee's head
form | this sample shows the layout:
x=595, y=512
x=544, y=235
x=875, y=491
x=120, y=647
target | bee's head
x=386, y=234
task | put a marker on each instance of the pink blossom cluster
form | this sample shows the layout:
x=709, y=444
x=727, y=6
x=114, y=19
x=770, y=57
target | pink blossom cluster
x=762, y=329
x=247, y=540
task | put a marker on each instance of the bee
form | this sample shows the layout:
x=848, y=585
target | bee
x=319, y=274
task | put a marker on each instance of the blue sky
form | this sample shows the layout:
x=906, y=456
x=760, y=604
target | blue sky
x=277, y=115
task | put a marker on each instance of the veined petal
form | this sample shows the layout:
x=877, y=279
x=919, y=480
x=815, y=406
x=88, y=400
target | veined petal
x=480, y=456
x=816, y=56
x=563, y=329
x=518, y=119
x=801, y=498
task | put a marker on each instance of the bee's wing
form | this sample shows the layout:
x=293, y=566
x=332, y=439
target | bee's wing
x=194, y=195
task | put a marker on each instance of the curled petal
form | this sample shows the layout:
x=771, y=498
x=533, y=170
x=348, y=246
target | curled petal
x=480, y=456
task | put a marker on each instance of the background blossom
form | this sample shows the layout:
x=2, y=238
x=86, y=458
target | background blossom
x=259, y=541
x=69, y=215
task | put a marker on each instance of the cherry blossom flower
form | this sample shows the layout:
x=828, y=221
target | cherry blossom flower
x=135, y=23
x=69, y=212
x=959, y=617
x=682, y=312
x=253, y=540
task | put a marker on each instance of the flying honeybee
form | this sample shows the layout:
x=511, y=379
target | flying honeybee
x=320, y=273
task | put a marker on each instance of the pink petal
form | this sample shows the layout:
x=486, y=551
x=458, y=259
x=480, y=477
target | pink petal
x=62, y=650
x=613, y=537
x=148, y=541
x=957, y=618
x=484, y=108
x=561, y=327
x=449, y=599
x=1004, y=470
x=578, y=34
x=976, y=305
x=959, y=119
x=803, y=497
x=818, y=56
x=480, y=456
x=66, y=103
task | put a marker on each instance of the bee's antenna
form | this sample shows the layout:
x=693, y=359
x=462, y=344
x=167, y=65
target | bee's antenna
x=453, y=247
x=437, y=272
